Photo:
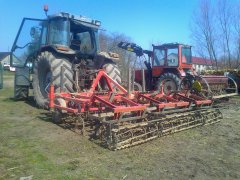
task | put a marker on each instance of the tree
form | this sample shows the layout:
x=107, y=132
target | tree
x=216, y=32
x=236, y=28
x=224, y=16
x=204, y=32
x=109, y=41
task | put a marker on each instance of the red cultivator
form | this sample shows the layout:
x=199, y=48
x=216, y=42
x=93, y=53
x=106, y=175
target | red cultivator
x=121, y=119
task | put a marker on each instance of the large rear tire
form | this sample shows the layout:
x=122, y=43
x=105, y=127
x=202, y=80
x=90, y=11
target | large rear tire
x=113, y=71
x=47, y=69
x=169, y=81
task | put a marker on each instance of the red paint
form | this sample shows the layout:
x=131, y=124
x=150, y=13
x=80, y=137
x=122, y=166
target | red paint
x=95, y=102
x=51, y=97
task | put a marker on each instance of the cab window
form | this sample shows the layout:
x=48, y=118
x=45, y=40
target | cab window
x=172, y=57
x=58, y=33
x=186, y=55
x=159, y=57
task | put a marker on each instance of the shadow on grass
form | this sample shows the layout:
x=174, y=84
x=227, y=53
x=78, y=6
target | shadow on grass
x=89, y=132
x=9, y=99
x=31, y=102
x=45, y=116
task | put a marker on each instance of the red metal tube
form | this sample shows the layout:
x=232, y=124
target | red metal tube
x=51, y=97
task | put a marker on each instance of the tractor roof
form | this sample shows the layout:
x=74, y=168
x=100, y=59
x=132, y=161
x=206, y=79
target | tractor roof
x=171, y=45
x=77, y=19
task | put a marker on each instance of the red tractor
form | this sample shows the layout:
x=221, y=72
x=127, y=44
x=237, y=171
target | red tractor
x=170, y=66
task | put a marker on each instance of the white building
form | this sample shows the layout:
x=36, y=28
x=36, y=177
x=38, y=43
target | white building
x=5, y=58
x=5, y=61
x=201, y=64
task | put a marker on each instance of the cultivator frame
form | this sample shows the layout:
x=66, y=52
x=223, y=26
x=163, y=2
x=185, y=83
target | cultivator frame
x=123, y=119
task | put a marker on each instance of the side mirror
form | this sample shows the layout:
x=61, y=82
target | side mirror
x=1, y=76
x=32, y=32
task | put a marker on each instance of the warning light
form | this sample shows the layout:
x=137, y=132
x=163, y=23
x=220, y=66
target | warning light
x=45, y=8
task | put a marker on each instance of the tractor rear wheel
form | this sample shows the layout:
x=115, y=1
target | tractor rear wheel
x=47, y=69
x=169, y=81
x=137, y=87
x=113, y=71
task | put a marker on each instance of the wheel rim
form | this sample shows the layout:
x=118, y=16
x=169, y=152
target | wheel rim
x=169, y=85
x=200, y=86
x=47, y=83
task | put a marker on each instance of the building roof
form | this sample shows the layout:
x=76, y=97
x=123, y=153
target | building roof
x=3, y=55
x=202, y=61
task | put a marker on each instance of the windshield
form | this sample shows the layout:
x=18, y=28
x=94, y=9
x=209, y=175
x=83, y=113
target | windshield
x=172, y=57
x=59, y=32
x=83, y=38
x=159, y=57
x=186, y=55
x=82, y=42
x=171, y=54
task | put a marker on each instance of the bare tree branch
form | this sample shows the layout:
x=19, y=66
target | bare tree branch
x=204, y=32
x=224, y=16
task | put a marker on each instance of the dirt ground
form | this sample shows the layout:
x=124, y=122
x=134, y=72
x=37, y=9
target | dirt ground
x=31, y=146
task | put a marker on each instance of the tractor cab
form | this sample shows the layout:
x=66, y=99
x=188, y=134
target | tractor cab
x=171, y=57
x=62, y=32
x=73, y=32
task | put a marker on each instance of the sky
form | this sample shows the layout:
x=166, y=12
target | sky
x=144, y=21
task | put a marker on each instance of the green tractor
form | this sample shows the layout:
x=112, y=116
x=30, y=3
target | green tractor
x=62, y=50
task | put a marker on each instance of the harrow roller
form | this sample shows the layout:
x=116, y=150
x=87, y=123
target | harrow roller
x=123, y=120
x=124, y=135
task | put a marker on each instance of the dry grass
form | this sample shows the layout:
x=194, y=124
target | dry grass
x=30, y=145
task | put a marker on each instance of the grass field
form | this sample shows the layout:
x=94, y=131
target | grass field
x=32, y=146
